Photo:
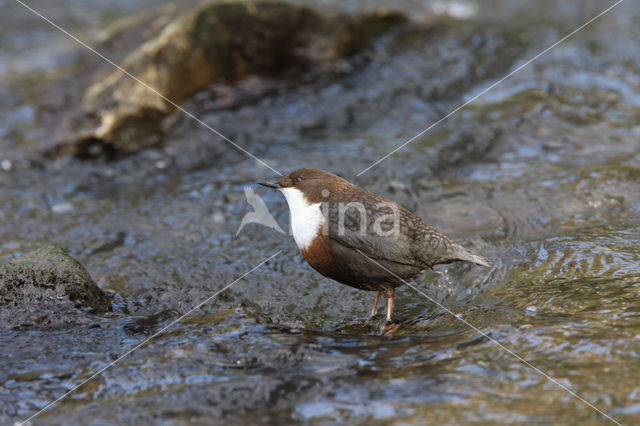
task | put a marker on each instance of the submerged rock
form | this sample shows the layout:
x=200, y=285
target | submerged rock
x=221, y=41
x=49, y=276
x=150, y=324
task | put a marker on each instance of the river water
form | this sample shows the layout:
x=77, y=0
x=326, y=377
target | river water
x=541, y=174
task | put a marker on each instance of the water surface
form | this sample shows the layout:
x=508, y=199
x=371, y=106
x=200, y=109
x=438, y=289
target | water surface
x=541, y=175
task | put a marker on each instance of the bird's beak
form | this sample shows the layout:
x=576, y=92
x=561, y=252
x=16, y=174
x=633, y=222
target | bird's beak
x=270, y=185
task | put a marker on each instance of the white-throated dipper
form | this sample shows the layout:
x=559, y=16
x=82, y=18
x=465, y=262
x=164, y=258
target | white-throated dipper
x=337, y=225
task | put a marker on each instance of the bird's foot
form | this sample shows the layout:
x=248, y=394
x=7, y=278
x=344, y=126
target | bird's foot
x=389, y=327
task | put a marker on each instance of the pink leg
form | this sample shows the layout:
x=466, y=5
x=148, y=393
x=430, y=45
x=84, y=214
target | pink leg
x=391, y=292
x=374, y=311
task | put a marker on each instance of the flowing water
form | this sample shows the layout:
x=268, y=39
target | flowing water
x=541, y=174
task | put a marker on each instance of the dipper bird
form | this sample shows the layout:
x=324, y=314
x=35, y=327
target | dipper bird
x=362, y=239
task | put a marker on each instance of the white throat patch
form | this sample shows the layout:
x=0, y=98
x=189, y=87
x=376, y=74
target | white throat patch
x=306, y=219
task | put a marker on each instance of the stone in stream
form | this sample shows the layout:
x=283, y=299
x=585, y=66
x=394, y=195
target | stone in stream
x=44, y=280
x=220, y=41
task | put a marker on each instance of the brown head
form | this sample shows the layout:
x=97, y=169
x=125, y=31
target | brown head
x=315, y=184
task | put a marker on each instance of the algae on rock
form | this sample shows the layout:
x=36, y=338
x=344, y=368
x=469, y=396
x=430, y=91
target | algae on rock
x=46, y=275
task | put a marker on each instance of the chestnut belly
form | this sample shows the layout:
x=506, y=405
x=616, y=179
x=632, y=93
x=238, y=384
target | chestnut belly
x=350, y=267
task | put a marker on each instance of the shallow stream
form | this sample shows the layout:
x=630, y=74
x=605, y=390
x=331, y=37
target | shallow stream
x=541, y=174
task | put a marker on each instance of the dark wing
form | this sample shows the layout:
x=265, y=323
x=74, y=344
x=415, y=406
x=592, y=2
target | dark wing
x=378, y=227
x=431, y=246
x=382, y=229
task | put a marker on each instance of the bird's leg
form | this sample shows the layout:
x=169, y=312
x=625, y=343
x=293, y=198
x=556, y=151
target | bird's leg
x=374, y=311
x=390, y=294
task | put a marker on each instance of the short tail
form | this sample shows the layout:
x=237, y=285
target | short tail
x=469, y=256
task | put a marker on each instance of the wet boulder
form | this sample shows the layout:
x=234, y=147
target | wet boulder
x=47, y=278
x=215, y=42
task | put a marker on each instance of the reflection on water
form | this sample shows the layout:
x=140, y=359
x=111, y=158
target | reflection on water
x=542, y=175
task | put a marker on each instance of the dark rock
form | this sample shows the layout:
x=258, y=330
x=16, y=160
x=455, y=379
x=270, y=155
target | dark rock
x=48, y=276
x=221, y=41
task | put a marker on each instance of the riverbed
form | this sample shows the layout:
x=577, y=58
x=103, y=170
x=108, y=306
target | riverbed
x=541, y=174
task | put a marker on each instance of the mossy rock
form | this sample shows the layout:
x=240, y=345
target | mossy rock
x=49, y=275
x=223, y=40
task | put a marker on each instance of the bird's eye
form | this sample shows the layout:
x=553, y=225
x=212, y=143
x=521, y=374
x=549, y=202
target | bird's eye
x=299, y=178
